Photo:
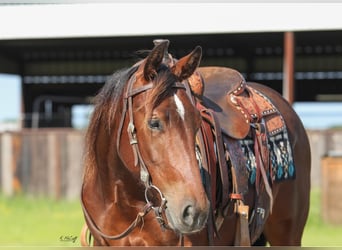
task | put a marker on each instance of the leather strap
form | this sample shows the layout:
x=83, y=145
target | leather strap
x=201, y=141
x=211, y=118
x=262, y=159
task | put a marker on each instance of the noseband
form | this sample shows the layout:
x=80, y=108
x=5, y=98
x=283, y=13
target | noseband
x=150, y=189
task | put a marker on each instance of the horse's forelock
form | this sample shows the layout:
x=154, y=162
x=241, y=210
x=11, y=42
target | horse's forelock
x=162, y=86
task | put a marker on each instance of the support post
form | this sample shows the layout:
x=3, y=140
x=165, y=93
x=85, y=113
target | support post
x=288, y=67
x=7, y=175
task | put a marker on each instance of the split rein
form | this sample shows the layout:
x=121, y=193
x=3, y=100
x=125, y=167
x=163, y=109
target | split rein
x=138, y=160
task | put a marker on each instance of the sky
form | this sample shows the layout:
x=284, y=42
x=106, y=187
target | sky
x=9, y=97
x=314, y=115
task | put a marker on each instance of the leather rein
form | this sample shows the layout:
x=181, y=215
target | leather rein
x=138, y=160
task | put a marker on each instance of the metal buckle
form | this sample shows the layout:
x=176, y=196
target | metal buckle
x=131, y=130
x=261, y=211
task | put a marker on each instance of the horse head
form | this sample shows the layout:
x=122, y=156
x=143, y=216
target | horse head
x=162, y=123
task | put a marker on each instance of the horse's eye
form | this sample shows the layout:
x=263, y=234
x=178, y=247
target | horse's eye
x=155, y=124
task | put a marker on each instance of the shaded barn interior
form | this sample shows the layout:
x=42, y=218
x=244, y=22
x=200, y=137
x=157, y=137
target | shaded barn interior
x=57, y=74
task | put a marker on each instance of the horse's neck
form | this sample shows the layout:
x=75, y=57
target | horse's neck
x=114, y=191
x=118, y=183
x=128, y=188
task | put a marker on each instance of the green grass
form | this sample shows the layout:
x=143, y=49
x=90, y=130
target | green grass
x=26, y=221
x=39, y=222
x=317, y=232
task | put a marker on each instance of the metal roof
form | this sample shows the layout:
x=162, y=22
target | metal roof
x=137, y=18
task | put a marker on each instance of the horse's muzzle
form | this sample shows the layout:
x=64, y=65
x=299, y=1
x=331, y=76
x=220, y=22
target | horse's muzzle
x=192, y=218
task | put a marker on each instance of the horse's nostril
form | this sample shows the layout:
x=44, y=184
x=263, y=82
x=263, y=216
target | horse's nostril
x=189, y=215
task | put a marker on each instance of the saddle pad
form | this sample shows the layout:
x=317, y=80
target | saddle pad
x=281, y=158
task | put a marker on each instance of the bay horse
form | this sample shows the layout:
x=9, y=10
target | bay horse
x=143, y=184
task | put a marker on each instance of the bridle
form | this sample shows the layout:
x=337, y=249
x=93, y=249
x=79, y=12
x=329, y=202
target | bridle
x=159, y=209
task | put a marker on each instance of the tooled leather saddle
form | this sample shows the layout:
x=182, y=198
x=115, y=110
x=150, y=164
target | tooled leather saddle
x=235, y=114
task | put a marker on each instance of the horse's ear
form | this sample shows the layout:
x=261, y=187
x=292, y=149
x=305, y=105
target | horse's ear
x=154, y=59
x=187, y=65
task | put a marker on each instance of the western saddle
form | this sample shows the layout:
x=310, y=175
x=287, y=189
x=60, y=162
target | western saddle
x=231, y=111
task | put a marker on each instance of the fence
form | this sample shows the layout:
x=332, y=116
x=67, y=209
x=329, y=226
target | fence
x=331, y=190
x=44, y=162
x=48, y=162
x=323, y=143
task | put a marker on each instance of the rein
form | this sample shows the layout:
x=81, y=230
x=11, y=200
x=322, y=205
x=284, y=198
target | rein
x=138, y=160
x=138, y=219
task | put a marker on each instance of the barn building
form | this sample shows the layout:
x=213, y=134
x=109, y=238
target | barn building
x=65, y=52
